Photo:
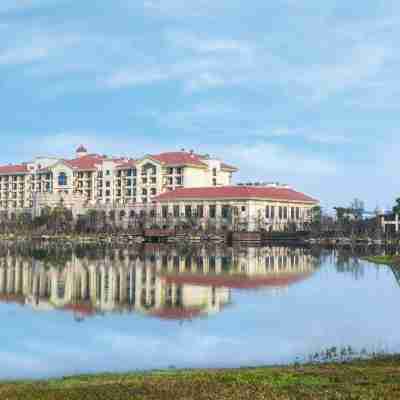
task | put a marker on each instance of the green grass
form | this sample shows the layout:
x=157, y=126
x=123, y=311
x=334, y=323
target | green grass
x=386, y=260
x=368, y=379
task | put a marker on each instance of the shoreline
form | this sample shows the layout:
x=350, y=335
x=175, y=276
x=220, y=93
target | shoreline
x=384, y=260
x=368, y=379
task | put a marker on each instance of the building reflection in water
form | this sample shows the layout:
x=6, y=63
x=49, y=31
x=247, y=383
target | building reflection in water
x=156, y=280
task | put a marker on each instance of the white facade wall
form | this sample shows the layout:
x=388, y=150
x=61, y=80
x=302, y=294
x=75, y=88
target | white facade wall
x=248, y=213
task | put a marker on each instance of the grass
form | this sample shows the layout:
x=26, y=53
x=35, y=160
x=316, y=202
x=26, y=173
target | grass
x=386, y=260
x=361, y=379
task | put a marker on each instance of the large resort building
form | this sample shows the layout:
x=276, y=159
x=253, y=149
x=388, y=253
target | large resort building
x=176, y=186
x=94, y=179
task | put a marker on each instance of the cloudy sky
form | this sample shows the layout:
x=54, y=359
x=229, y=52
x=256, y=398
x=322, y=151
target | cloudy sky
x=297, y=91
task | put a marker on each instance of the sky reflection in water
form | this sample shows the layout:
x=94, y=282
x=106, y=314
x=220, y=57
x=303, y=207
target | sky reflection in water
x=158, y=307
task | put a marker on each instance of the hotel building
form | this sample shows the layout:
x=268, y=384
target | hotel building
x=173, y=187
x=271, y=207
x=93, y=179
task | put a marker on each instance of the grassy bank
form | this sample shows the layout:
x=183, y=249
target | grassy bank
x=387, y=260
x=372, y=379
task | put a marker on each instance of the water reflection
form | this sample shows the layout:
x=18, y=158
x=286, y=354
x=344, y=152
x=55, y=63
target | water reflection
x=155, y=280
x=268, y=305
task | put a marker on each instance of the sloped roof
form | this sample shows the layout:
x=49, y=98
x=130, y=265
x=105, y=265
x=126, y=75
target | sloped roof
x=13, y=169
x=236, y=192
x=81, y=308
x=178, y=158
x=229, y=167
x=177, y=313
x=238, y=281
x=85, y=163
x=81, y=149
x=12, y=298
x=127, y=164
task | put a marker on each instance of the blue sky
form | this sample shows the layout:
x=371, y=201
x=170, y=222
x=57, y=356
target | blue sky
x=289, y=90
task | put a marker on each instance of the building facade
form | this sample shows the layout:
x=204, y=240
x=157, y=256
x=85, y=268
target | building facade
x=90, y=180
x=250, y=208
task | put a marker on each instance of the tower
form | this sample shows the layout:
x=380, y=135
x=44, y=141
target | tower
x=81, y=151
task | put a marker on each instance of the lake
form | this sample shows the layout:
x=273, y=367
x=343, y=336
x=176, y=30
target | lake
x=86, y=310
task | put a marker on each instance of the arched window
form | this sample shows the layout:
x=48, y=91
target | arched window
x=62, y=179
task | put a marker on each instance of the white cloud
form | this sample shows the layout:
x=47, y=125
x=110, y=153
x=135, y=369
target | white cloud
x=132, y=77
x=266, y=160
x=63, y=144
x=180, y=8
x=358, y=67
x=41, y=47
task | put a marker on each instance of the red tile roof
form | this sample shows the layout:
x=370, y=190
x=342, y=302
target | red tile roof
x=238, y=281
x=236, y=192
x=81, y=308
x=177, y=313
x=12, y=298
x=13, y=169
x=179, y=158
x=230, y=167
x=85, y=163
x=127, y=164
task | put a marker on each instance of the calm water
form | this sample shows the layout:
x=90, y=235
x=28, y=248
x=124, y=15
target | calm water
x=67, y=312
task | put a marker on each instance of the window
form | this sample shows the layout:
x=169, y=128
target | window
x=267, y=212
x=200, y=211
x=272, y=212
x=214, y=171
x=62, y=179
x=108, y=193
x=292, y=212
x=153, y=191
x=214, y=182
x=108, y=172
x=285, y=212
x=144, y=192
x=212, y=211
x=297, y=213
x=188, y=211
x=170, y=171
x=179, y=171
x=164, y=210
x=176, y=211
x=178, y=180
x=108, y=184
x=225, y=211
x=243, y=208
